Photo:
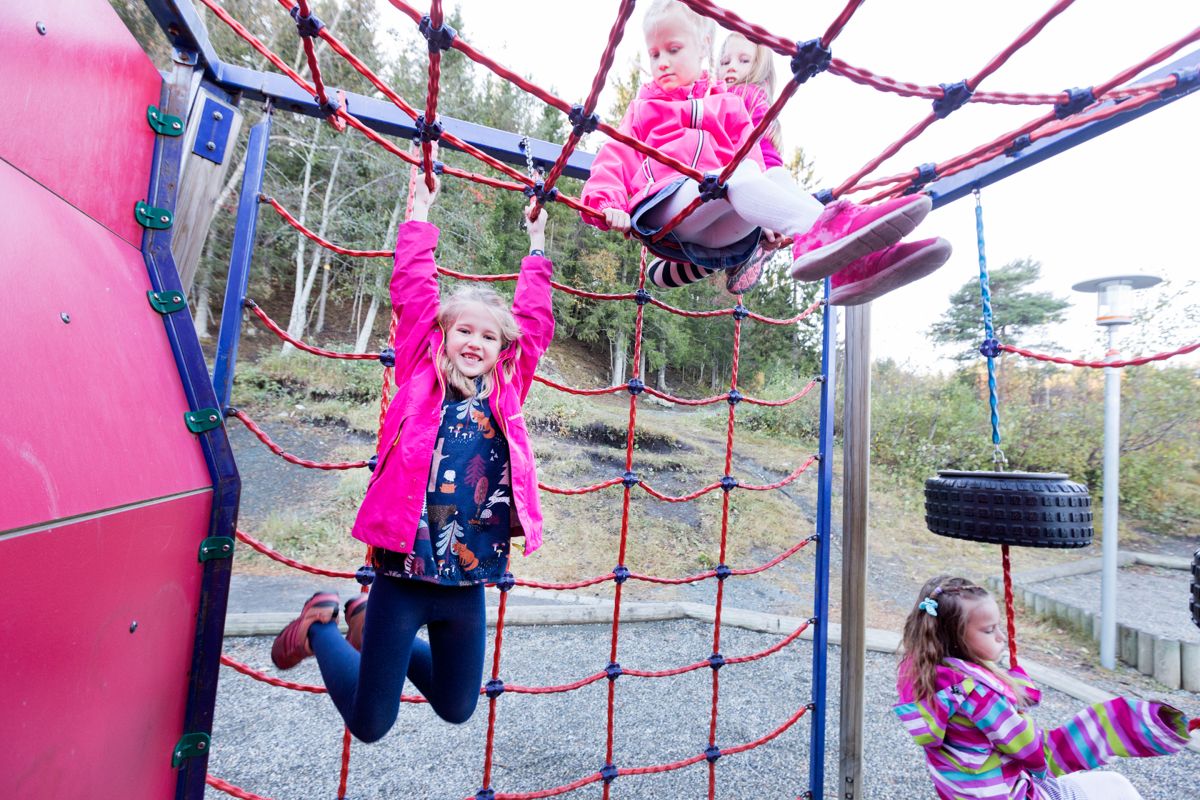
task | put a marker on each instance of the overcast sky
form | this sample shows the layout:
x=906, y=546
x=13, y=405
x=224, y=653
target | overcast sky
x=1124, y=202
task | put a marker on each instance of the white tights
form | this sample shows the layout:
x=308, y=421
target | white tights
x=1101, y=785
x=770, y=200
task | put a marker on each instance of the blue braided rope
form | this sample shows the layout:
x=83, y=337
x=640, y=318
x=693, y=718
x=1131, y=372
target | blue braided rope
x=988, y=330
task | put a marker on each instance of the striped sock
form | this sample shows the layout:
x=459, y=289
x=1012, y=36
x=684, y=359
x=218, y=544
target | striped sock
x=673, y=274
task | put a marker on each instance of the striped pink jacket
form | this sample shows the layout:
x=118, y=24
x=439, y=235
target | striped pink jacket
x=979, y=744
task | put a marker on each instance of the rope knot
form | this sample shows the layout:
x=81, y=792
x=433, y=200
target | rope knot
x=811, y=58
x=427, y=131
x=582, y=123
x=506, y=582
x=309, y=26
x=365, y=575
x=711, y=188
x=990, y=348
x=954, y=96
x=494, y=688
x=440, y=38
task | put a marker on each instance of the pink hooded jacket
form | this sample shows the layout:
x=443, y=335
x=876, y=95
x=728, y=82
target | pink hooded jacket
x=390, y=511
x=698, y=126
x=757, y=104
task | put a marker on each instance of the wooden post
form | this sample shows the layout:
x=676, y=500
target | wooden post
x=856, y=457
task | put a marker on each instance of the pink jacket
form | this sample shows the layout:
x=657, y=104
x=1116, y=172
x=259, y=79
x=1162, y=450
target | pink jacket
x=700, y=128
x=390, y=511
x=757, y=103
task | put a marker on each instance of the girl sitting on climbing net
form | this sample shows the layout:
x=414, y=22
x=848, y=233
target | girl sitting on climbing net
x=455, y=481
x=684, y=114
x=748, y=71
x=970, y=714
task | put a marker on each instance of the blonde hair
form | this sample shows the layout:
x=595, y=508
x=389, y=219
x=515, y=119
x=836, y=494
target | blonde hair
x=449, y=312
x=762, y=75
x=704, y=27
x=928, y=640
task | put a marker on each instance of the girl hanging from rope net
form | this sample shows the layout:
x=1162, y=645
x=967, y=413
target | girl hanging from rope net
x=685, y=114
x=455, y=481
x=748, y=71
x=971, y=715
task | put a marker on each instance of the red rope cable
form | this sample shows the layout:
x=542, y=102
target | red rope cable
x=836, y=27
x=1009, y=608
x=279, y=451
x=300, y=345
x=1133, y=362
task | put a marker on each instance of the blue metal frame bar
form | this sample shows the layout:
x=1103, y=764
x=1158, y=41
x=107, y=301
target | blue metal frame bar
x=193, y=371
x=180, y=22
x=947, y=190
x=240, y=259
x=820, y=643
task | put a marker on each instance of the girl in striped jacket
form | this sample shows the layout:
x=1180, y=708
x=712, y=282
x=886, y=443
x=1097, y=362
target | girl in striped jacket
x=971, y=715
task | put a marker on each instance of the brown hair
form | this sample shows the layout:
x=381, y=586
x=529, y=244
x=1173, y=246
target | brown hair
x=762, y=75
x=929, y=640
x=448, y=314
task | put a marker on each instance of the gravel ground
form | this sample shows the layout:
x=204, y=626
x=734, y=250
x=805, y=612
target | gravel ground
x=285, y=745
x=1139, y=588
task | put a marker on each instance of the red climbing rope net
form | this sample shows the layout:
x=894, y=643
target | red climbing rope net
x=1069, y=109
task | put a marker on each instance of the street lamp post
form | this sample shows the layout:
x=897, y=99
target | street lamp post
x=1113, y=296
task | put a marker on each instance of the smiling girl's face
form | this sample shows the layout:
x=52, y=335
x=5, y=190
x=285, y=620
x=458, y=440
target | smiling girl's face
x=737, y=58
x=473, y=340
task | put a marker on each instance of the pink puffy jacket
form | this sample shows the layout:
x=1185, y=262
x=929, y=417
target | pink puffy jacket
x=699, y=127
x=390, y=511
x=757, y=104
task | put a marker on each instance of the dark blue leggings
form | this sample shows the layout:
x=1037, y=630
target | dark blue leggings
x=447, y=669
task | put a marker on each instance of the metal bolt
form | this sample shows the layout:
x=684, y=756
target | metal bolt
x=175, y=298
x=211, y=146
x=65, y=317
x=212, y=417
x=176, y=125
x=41, y=28
x=218, y=116
x=133, y=626
x=164, y=218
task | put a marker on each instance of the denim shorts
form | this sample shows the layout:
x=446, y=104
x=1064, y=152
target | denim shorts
x=672, y=249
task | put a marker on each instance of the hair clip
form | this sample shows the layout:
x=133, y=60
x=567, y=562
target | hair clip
x=936, y=591
x=929, y=606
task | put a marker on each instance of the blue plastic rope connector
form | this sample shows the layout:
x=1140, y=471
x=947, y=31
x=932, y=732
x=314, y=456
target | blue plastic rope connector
x=723, y=571
x=711, y=188
x=629, y=479
x=728, y=483
x=438, y=167
x=373, y=462
x=990, y=348
x=716, y=661
x=485, y=794
x=824, y=196
x=740, y=312
x=494, y=688
x=365, y=575
x=926, y=173
x=1185, y=81
x=613, y=671
x=735, y=397
x=621, y=573
x=387, y=356
x=439, y=38
x=1077, y=100
x=608, y=773
x=427, y=131
x=811, y=58
x=506, y=582
x=641, y=297
x=538, y=190
x=636, y=386
x=1018, y=144
x=309, y=26
x=581, y=124
x=954, y=96
x=329, y=107
x=712, y=753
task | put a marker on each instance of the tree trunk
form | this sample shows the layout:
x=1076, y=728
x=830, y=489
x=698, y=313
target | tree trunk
x=201, y=311
x=321, y=298
x=364, y=332
x=619, y=356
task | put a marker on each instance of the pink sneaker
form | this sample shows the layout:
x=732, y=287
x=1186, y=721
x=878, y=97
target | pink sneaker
x=745, y=277
x=291, y=645
x=879, y=273
x=356, y=615
x=846, y=231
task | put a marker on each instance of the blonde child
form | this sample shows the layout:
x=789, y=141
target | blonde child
x=969, y=714
x=455, y=481
x=748, y=71
x=685, y=114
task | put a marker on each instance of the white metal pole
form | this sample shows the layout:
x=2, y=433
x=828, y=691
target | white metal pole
x=1112, y=491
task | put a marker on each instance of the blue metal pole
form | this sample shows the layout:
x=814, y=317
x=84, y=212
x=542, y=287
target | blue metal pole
x=816, y=750
x=239, y=260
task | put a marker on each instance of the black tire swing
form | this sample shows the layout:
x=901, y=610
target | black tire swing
x=1020, y=509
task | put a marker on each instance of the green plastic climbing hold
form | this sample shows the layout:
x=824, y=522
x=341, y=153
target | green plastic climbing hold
x=189, y=746
x=203, y=420
x=166, y=302
x=158, y=219
x=163, y=123
x=216, y=547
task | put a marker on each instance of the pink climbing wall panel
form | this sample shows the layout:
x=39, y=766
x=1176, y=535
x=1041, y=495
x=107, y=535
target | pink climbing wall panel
x=92, y=708
x=94, y=408
x=75, y=102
